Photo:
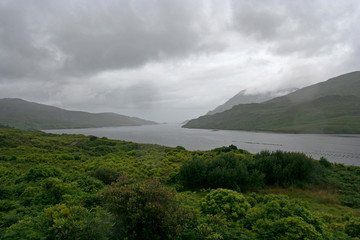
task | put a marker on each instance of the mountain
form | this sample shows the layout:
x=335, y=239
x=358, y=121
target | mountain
x=22, y=114
x=332, y=106
x=243, y=97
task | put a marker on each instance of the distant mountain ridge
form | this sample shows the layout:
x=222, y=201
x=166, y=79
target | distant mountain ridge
x=332, y=106
x=22, y=114
x=243, y=98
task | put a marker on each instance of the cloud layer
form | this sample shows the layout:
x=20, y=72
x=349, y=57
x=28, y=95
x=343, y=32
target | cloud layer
x=170, y=60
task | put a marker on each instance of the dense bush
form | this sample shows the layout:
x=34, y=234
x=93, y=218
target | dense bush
x=106, y=175
x=352, y=227
x=285, y=168
x=193, y=174
x=227, y=170
x=50, y=184
x=278, y=217
x=227, y=203
x=63, y=222
x=143, y=210
x=41, y=172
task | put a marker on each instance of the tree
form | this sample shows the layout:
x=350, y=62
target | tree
x=143, y=210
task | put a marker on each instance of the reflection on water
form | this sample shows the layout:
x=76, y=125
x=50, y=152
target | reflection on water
x=336, y=148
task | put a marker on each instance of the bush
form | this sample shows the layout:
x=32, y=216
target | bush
x=63, y=222
x=277, y=217
x=41, y=172
x=93, y=138
x=324, y=162
x=352, y=227
x=76, y=222
x=225, y=171
x=193, y=173
x=106, y=175
x=144, y=210
x=227, y=203
x=285, y=168
x=53, y=191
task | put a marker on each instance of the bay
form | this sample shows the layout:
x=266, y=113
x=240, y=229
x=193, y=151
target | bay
x=340, y=148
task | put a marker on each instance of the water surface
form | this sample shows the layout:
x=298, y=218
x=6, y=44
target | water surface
x=341, y=148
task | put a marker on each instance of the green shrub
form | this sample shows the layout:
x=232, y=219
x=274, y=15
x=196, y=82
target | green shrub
x=324, y=162
x=143, y=210
x=278, y=217
x=193, y=173
x=41, y=172
x=352, y=227
x=93, y=138
x=53, y=191
x=106, y=175
x=285, y=168
x=227, y=203
x=76, y=222
x=227, y=170
x=63, y=222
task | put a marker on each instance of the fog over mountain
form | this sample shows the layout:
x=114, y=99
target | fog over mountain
x=243, y=98
x=170, y=60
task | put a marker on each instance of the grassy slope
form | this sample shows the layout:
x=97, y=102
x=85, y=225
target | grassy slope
x=27, y=115
x=328, y=107
x=78, y=155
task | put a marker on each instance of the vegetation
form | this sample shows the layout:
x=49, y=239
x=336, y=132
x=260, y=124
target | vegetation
x=243, y=98
x=29, y=116
x=328, y=107
x=84, y=187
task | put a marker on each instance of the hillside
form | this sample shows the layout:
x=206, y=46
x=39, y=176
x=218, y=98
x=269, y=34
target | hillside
x=243, y=97
x=327, y=107
x=84, y=187
x=22, y=114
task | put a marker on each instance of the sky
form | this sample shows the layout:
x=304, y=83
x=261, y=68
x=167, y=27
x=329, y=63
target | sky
x=170, y=60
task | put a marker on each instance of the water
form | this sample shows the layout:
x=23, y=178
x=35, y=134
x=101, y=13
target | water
x=340, y=148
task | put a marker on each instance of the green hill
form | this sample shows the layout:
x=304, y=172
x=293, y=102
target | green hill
x=243, y=97
x=84, y=187
x=22, y=114
x=332, y=106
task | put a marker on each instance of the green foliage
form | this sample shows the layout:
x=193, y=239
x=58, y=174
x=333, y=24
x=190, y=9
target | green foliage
x=143, y=210
x=324, y=162
x=215, y=227
x=193, y=173
x=50, y=185
x=63, y=222
x=227, y=170
x=106, y=175
x=285, y=168
x=93, y=138
x=41, y=172
x=76, y=222
x=27, y=228
x=278, y=217
x=227, y=203
x=352, y=227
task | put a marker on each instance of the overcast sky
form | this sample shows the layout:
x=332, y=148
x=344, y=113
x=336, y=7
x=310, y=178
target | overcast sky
x=168, y=60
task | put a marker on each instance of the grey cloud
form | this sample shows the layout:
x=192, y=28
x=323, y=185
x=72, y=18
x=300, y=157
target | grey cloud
x=261, y=21
x=20, y=55
x=306, y=28
x=131, y=55
x=85, y=37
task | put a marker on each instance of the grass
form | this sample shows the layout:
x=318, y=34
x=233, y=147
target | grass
x=319, y=200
